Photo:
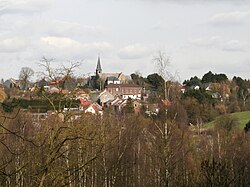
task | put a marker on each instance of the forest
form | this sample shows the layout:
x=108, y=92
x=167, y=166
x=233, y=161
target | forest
x=124, y=150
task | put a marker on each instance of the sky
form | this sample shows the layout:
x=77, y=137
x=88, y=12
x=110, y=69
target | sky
x=196, y=35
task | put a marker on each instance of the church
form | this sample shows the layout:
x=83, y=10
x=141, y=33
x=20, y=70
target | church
x=117, y=84
x=110, y=78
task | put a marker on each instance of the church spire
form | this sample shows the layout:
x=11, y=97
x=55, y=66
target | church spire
x=98, y=67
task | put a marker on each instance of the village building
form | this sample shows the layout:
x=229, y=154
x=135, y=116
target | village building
x=105, y=97
x=125, y=91
x=81, y=94
x=11, y=83
x=110, y=78
x=94, y=108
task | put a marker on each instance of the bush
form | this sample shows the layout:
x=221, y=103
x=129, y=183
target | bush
x=247, y=127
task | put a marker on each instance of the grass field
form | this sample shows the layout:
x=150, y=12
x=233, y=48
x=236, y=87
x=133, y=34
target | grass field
x=243, y=117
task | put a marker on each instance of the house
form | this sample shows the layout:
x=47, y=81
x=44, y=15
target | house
x=11, y=83
x=125, y=91
x=114, y=102
x=120, y=104
x=81, y=94
x=104, y=97
x=94, y=108
x=84, y=104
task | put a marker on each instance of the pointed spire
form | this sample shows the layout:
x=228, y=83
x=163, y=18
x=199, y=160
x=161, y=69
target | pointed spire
x=98, y=67
x=98, y=64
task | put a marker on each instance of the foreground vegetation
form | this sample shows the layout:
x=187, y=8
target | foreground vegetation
x=128, y=149
x=119, y=150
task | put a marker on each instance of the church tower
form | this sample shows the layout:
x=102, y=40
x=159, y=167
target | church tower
x=98, y=67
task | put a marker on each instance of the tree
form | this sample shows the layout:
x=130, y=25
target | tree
x=24, y=76
x=60, y=76
x=156, y=81
x=208, y=77
x=194, y=81
x=162, y=63
x=220, y=77
x=137, y=78
x=129, y=108
x=212, y=78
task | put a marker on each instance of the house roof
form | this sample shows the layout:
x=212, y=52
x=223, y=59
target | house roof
x=105, y=96
x=112, y=78
x=84, y=102
x=104, y=76
x=95, y=106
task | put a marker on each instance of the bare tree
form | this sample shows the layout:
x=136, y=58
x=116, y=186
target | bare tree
x=48, y=72
x=24, y=76
x=162, y=62
x=59, y=76
x=244, y=94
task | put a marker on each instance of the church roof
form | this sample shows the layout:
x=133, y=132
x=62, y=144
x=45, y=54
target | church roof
x=98, y=67
x=112, y=78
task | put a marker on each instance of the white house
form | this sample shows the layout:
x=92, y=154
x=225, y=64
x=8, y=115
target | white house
x=94, y=109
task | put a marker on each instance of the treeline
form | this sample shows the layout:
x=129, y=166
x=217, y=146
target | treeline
x=199, y=100
x=126, y=150
x=38, y=105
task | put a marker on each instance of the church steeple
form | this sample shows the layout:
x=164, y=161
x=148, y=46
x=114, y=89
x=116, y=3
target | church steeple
x=98, y=67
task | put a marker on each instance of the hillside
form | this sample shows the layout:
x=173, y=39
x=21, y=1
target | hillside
x=243, y=117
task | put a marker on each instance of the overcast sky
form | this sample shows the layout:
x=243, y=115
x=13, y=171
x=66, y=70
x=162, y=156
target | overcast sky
x=197, y=35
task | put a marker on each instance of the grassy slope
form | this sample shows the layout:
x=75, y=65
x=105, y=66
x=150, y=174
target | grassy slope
x=243, y=117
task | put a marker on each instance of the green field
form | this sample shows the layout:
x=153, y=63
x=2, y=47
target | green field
x=243, y=117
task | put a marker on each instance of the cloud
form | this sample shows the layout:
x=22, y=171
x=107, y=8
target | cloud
x=236, y=45
x=230, y=18
x=12, y=45
x=206, y=42
x=60, y=42
x=62, y=47
x=217, y=42
x=134, y=51
x=63, y=28
x=23, y=6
